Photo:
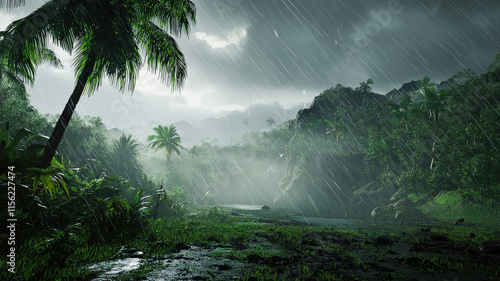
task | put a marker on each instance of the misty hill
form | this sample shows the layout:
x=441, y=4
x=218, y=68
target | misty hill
x=396, y=94
x=227, y=129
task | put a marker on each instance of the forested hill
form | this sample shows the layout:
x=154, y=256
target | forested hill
x=430, y=138
x=353, y=150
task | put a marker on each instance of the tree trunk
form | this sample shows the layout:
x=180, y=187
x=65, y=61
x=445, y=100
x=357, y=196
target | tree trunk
x=62, y=123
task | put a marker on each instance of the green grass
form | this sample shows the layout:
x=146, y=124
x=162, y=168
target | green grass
x=67, y=261
x=39, y=260
x=454, y=205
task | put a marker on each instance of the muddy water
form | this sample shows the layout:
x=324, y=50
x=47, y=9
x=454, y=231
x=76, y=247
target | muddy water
x=193, y=264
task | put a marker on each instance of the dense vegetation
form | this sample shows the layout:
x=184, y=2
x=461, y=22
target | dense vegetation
x=369, y=147
x=350, y=151
x=424, y=145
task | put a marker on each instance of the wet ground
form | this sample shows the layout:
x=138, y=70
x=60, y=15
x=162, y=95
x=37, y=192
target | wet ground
x=409, y=251
x=194, y=264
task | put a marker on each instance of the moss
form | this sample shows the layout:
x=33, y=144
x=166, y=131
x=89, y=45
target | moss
x=454, y=205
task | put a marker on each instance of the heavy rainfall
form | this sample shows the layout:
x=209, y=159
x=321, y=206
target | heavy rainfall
x=249, y=140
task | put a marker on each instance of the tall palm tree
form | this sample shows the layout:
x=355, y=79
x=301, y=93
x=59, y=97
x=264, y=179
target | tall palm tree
x=106, y=37
x=270, y=122
x=165, y=138
x=365, y=87
x=245, y=123
x=426, y=85
x=435, y=103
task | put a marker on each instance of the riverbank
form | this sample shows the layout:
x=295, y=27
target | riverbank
x=230, y=244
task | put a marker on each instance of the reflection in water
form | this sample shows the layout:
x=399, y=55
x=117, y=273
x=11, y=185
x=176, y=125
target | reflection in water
x=111, y=269
x=244, y=207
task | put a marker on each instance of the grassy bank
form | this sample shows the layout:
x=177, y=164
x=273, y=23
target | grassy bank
x=454, y=205
x=269, y=247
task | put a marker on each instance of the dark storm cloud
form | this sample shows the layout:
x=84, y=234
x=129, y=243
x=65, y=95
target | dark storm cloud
x=316, y=44
x=244, y=52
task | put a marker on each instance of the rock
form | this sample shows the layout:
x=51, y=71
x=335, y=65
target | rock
x=440, y=237
x=130, y=251
x=396, y=196
x=401, y=216
x=383, y=240
x=137, y=254
x=222, y=267
x=275, y=259
x=265, y=207
x=402, y=209
x=472, y=250
x=490, y=247
x=381, y=213
x=253, y=258
x=160, y=243
x=459, y=222
x=182, y=246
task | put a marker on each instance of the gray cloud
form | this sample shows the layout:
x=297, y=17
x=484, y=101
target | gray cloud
x=311, y=44
x=245, y=52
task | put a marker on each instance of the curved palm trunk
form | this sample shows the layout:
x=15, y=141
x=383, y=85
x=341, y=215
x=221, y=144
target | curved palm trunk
x=62, y=123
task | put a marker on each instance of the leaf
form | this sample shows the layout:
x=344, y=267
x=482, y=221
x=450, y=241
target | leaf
x=117, y=200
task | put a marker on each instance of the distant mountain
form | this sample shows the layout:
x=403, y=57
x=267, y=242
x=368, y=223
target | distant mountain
x=114, y=134
x=396, y=94
x=442, y=86
x=225, y=129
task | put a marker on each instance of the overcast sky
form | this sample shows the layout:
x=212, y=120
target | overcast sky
x=244, y=52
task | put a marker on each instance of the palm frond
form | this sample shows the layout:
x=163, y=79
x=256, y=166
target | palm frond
x=175, y=17
x=28, y=39
x=163, y=55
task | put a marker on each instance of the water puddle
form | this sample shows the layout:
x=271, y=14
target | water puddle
x=108, y=270
x=344, y=223
x=193, y=264
x=244, y=207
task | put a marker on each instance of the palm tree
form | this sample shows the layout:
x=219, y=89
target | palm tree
x=165, y=138
x=426, y=85
x=245, y=123
x=106, y=37
x=365, y=87
x=270, y=122
x=125, y=154
x=435, y=103
x=125, y=149
x=9, y=78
